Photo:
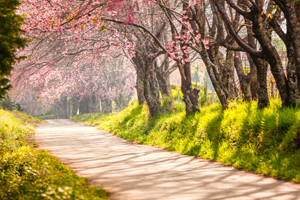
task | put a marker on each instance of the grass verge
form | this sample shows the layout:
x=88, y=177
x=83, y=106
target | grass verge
x=266, y=141
x=29, y=173
x=44, y=117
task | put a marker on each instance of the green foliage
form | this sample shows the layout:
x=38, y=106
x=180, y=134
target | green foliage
x=175, y=92
x=89, y=116
x=28, y=173
x=10, y=40
x=8, y=104
x=44, y=117
x=266, y=141
x=4, y=86
x=47, y=115
x=205, y=96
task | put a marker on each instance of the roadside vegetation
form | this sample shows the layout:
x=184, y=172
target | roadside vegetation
x=44, y=117
x=266, y=141
x=29, y=173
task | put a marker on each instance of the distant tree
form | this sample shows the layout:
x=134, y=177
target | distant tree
x=10, y=40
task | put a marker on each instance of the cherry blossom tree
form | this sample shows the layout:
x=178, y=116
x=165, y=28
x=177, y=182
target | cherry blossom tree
x=72, y=40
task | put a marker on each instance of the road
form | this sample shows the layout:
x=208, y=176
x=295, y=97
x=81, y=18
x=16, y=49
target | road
x=136, y=172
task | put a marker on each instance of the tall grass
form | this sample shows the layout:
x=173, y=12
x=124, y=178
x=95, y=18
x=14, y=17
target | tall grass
x=266, y=141
x=28, y=173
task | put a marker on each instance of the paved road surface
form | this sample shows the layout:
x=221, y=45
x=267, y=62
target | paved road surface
x=136, y=172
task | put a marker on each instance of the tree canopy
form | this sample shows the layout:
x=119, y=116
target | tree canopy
x=237, y=40
x=10, y=40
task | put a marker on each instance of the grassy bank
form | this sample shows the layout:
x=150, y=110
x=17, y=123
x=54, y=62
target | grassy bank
x=29, y=173
x=264, y=141
x=44, y=117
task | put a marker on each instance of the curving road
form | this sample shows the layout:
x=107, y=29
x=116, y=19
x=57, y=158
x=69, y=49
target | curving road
x=137, y=172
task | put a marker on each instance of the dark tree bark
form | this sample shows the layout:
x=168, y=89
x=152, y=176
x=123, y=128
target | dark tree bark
x=84, y=106
x=154, y=85
x=151, y=90
x=229, y=76
x=256, y=55
x=147, y=83
x=292, y=42
x=74, y=106
x=262, y=26
x=190, y=95
x=262, y=89
x=163, y=78
x=253, y=81
x=216, y=83
x=243, y=78
x=106, y=105
x=140, y=88
x=219, y=67
x=140, y=73
x=263, y=35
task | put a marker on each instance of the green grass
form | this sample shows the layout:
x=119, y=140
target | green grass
x=266, y=141
x=44, y=117
x=29, y=173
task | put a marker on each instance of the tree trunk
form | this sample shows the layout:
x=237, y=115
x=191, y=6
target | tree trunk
x=164, y=82
x=293, y=77
x=74, y=106
x=262, y=89
x=153, y=101
x=253, y=78
x=292, y=43
x=190, y=95
x=228, y=76
x=154, y=85
x=217, y=84
x=140, y=85
x=243, y=78
x=292, y=14
x=107, y=105
x=271, y=55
